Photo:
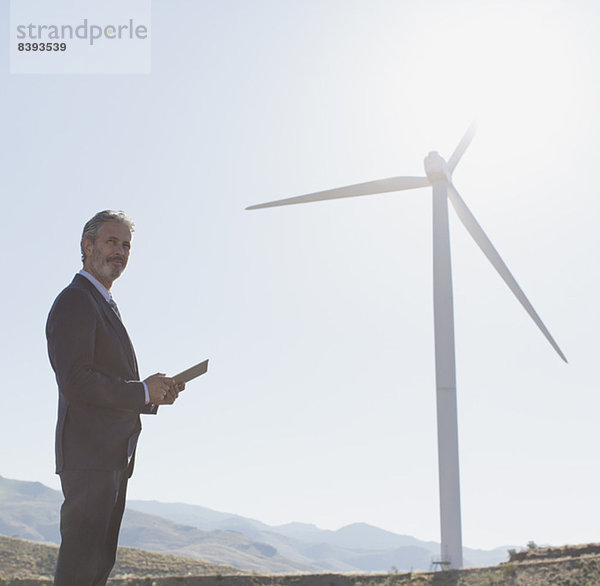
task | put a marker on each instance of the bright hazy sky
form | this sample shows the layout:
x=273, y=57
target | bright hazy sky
x=319, y=405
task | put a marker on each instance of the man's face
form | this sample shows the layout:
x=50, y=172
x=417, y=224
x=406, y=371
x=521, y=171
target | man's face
x=107, y=258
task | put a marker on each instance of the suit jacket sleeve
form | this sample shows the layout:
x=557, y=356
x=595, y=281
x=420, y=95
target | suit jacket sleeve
x=75, y=329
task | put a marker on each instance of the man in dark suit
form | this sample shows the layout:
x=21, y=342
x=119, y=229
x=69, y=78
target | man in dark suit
x=101, y=398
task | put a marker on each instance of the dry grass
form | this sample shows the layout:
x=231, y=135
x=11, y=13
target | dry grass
x=25, y=563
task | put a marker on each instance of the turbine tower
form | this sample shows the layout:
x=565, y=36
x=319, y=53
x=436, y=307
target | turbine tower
x=439, y=177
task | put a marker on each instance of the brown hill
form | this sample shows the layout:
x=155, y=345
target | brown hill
x=535, y=553
x=556, y=566
x=26, y=559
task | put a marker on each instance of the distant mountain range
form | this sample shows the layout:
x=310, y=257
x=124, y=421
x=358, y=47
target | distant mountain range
x=26, y=560
x=30, y=510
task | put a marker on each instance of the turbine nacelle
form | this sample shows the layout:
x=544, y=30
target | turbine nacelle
x=436, y=168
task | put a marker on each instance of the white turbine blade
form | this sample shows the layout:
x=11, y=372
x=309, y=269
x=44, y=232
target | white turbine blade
x=462, y=146
x=488, y=249
x=369, y=188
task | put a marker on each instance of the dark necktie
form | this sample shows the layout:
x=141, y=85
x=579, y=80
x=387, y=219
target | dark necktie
x=112, y=303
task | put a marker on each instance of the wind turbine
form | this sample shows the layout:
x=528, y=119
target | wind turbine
x=439, y=177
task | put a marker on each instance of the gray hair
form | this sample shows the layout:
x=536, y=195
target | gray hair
x=92, y=227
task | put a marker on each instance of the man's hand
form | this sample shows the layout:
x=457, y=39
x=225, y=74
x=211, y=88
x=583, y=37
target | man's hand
x=162, y=389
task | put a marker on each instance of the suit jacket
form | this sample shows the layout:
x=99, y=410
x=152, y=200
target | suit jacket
x=100, y=394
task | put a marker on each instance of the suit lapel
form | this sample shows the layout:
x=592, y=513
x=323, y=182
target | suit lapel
x=114, y=321
x=121, y=332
